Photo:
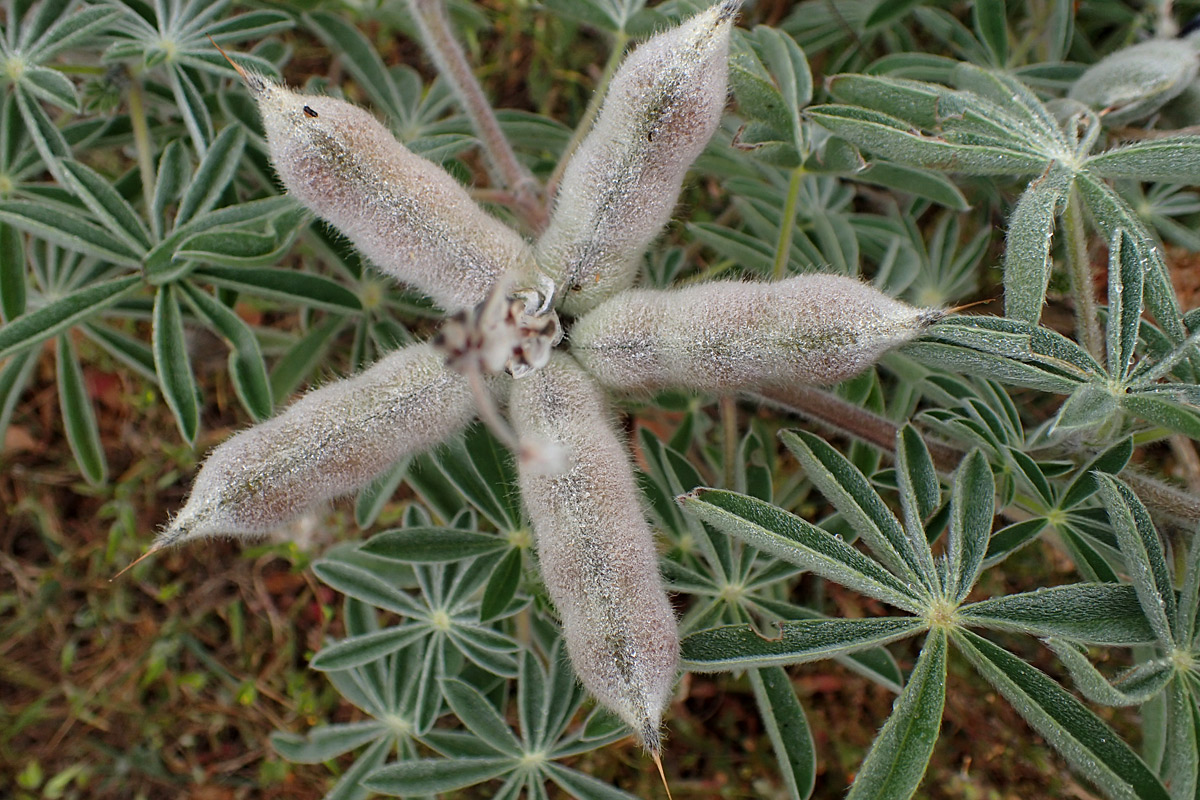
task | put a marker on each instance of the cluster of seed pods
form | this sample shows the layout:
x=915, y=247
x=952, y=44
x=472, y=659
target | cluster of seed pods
x=596, y=550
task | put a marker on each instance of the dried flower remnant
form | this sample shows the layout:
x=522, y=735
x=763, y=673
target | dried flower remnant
x=729, y=336
x=619, y=189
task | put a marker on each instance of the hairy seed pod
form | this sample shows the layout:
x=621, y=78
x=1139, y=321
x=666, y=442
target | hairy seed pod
x=1134, y=82
x=329, y=442
x=408, y=215
x=620, y=187
x=728, y=336
x=596, y=549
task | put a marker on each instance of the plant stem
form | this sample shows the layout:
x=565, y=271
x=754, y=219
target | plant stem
x=787, y=224
x=451, y=61
x=589, y=115
x=846, y=418
x=1087, y=328
x=729, y=438
x=145, y=157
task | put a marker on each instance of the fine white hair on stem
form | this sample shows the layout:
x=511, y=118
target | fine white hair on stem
x=595, y=548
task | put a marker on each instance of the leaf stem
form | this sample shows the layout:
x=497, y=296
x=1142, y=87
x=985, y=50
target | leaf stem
x=787, y=225
x=729, y=439
x=621, y=38
x=1087, y=326
x=145, y=155
x=451, y=62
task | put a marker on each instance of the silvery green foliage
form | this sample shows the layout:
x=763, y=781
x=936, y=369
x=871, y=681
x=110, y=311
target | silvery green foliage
x=164, y=212
x=597, y=554
x=1133, y=83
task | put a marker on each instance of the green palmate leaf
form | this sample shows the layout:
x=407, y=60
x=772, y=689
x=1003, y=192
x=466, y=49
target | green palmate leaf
x=992, y=28
x=851, y=494
x=788, y=66
x=47, y=138
x=302, y=359
x=1136, y=686
x=1093, y=613
x=252, y=25
x=1182, y=756
x=246, y=365
x=12, y=273
x=374, y=496
x=742, y=647
x=888, y=11
x=428, y=776
x=605, y=15
x=972, y=506
x=50, y=86
x=576, y=783
x=98, y=194
x=477, y=713
x=68, y=230
x=1126, y=276
x=79, y=418
x=1110, y=462
x=929, y=185
x=365, y=648
x=1090, y=746
x=1143, y=556
x=1112, y=214
x=1033, y=474
x=787, y=727
x=894, y=139
x=786, y=536
x=738, y=246
x=1167, y=413
x=920, y=493
x=1089, y=405
x=1027, y=254
x=350, y=785
x=235, y=248
x=1174, y=159
x=196, y=118
x=918, y=103
x=216, y=170
x=173, y=364
x=1189, y=595
x=1011, y=538
x=13, y=377
x=502, y=586
x=37, y=326
x=362, y=62
x=326, y=742
x=174, y=172
x=897, y=760
x=283, y=284
x=66, y=31
x=365, y=585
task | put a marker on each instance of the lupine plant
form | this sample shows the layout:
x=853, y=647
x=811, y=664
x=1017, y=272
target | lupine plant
x=523, y=613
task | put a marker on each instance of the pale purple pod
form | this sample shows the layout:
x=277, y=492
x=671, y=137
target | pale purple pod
x=406, y=214
x=729, y=336
x=595, y=548
x=329, y=442
x=619, y=189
